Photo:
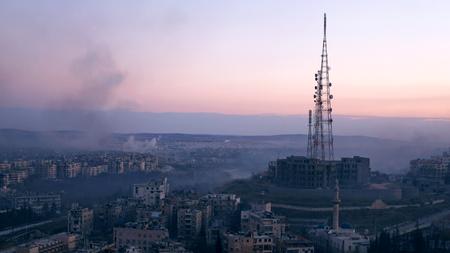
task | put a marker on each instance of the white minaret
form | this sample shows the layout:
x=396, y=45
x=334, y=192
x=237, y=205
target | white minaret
x=336, y=203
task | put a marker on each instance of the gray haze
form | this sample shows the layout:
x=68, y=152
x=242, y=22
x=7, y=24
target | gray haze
x=412, y=129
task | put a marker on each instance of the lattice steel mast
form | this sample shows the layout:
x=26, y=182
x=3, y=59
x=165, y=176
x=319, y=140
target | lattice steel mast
x=323, y=122
x=310, y=138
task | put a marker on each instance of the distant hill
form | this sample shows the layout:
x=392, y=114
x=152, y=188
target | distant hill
x=422, y=130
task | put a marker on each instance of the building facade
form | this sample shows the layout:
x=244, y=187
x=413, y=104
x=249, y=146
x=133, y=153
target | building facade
x=80, y=220
x=247, y=243
x=39, y=203
x=436, y=168
x=151, y=193
x=263, y=222
x=303, y=172
x=189, y=223
x=139, y=236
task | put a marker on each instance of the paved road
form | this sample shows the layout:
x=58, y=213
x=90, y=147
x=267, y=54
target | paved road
x=424, y=222
x=18, y=229
x=403, y=228
x=329, y=209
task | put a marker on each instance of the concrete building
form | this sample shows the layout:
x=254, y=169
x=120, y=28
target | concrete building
x=93, y=171
x=43, y=246
x=51, y=171
x=151, y=216
x=17, y=176
x=214, y=231
x=142, y=236
x=46, y=169
x=39, y=203
x=80, y=220
x=189, y=223
x=151, y=164
x=263, y=222
x=116, y=167
x=58, y=243
x=436, y=168
x=4, y=180
x=303, y=172
x=294, y=244
x=72, y=170
x=4, y=166
x=222, y=204
x=169, y=246
x=151, y=193
x=247, y=243
x=342, y=241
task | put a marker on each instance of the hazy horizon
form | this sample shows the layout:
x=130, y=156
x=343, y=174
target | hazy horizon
x=123, y=121
x=224, y=57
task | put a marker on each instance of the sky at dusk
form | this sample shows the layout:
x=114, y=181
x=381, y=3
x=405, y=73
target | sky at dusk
x=387, y=58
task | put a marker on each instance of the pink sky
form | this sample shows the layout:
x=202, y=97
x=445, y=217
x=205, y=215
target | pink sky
x=257, y=57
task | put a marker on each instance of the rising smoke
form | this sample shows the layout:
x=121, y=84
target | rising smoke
x=96, y=76
x=133, y=145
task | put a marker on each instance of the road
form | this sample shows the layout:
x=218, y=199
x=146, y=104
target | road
x=342, y=208
x=29, y=226
x=408, y=227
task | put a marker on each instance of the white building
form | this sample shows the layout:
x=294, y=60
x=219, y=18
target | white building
x=341, y=241
x=337, y=239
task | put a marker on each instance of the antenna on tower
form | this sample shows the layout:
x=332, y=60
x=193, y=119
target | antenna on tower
x=323, y=146
x=310, y=140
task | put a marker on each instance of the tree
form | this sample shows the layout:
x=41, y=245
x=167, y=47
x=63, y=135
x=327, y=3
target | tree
x=218, y=244
x=418, y=242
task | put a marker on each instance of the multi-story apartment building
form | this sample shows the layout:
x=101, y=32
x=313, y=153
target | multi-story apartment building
x=436, y=168
x=339, y=241
x=92, y=171
x=294, y=244
x=152, y=193
x=58, y=243
x=4, y=180
x=303, y=172
x=46, y=169
x=17, y=176
x=222, y=204
x=39, y=203
x=5, y=166
x=72, y=170
x=141, y=236
x=151, y=163
x=263, y=222
x=80, y=220
x=189, y=223
x=247, y=243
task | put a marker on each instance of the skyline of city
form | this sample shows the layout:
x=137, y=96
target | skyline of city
x=212, y=127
